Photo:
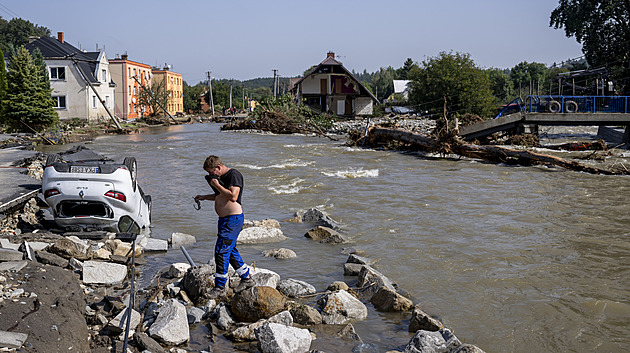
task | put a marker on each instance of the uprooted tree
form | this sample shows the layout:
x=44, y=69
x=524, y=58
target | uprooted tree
x=445, y=140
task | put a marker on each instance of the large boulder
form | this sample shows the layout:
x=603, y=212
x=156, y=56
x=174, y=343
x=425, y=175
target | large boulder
x=260, y=235
x=51, y=259
x=153, y=245
x=325, y=235
x=305, y=315
x=350, y=269
x=96, y=272
x=295, y=288
x=10, y=255
x=389, y=300
x=198, y=281
x=121, y=248
x=278, y=338
x=281, y=253
x=257, y=303
x=178, y=239
x=265, y=223
x=178, y=269
x=319, y=217
x=356, y=259
x=222, y=316
x=340, y=307
x=118, y=324
x=171, y=324
x=422, y=321
x=371, y=281
x=67, y=249
x=247, y=332
x=147, y=343
x=442, y=341
x=263, y=277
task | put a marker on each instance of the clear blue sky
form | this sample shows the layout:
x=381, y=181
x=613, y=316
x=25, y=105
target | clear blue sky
x=245, y=39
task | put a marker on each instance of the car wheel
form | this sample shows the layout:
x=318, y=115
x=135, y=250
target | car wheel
x=570, y=107
x=554, y=107
x=132, y=167
x=147, y=199
x=52, y=158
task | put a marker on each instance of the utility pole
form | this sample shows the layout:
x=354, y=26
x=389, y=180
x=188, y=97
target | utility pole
x=275, y=71
x=210, y=86
x=243, y=97
x=230, y=94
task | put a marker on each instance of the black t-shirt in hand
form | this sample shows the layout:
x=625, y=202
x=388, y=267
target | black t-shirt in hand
x=232, y=178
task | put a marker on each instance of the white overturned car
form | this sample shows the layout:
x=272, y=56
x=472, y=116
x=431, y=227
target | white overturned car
x=86, y=190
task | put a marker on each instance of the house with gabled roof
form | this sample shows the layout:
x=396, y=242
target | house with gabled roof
x=330, y=88
x=77, y=78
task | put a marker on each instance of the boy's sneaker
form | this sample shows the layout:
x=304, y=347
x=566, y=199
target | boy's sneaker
x=217, y=292
x=245, y=283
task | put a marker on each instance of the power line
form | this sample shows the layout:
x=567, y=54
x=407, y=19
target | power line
x=8, y=10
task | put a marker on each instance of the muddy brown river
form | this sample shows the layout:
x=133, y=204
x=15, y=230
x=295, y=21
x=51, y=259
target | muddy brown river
x=512, y=259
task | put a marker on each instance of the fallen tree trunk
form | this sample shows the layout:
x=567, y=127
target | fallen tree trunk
x=496, y=154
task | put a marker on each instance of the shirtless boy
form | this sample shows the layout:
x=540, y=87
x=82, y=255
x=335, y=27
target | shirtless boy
x=227, y=184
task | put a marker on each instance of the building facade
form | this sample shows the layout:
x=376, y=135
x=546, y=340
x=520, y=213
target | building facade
x=130, y=77
x=330, y=88
x=81, y=81
x=174, y=85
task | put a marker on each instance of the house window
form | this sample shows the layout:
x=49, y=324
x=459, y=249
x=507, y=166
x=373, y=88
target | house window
x=58, y=73
x=94, y=102
x=107, y=102
x=60, y=102
x=104, y=74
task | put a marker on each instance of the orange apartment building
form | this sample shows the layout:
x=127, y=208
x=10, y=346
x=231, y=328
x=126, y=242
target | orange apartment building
x=175, y=86
x=127, y=102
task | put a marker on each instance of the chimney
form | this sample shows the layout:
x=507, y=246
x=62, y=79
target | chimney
x=124, y=56
x=60, y=36
x=329, y=55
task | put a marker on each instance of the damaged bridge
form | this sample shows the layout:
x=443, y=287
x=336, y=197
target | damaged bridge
x=525, y=116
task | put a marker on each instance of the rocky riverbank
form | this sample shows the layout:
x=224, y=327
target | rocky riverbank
x=70, y=292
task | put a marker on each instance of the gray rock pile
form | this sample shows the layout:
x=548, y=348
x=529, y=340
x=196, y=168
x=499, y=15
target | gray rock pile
x=271, y=313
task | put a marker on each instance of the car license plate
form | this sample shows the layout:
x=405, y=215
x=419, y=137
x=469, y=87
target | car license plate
x=83, y=169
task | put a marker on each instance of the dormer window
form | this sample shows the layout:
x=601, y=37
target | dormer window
x=58, y=73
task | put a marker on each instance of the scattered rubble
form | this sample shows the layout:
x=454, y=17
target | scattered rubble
x=273, y=314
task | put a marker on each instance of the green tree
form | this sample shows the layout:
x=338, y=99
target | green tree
x=465, y=86
x=221, y=94
x=16, y=32
x=527, y=78
x=501, y=85
x=27, y=102
x=383, y=82
x=260, y=93
x=192, y=95
x=603, y=29
x=3, y=83
x=403, y=72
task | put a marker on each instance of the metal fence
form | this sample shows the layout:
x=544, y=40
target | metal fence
x=576, y=104
x=568, y=104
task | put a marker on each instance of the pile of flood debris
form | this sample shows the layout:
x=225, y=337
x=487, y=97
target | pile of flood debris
x=85, y=306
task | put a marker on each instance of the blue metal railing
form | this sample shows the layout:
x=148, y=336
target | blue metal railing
x=568, y=104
